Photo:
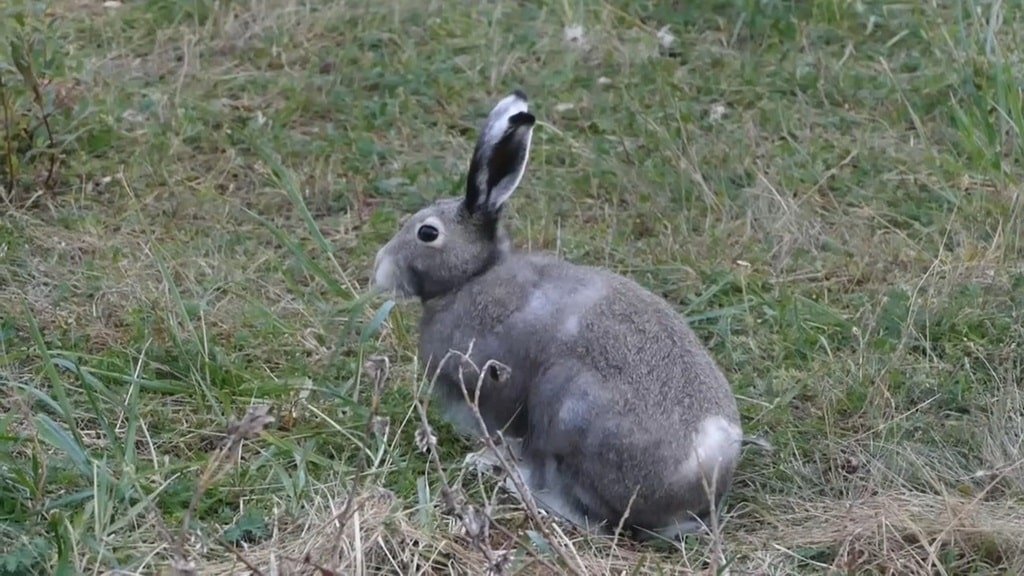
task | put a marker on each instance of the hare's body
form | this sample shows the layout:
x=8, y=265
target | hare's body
x=618, y=407
x=608, y=388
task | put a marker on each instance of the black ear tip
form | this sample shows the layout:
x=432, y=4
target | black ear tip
x=522, y=119
x=518, y=93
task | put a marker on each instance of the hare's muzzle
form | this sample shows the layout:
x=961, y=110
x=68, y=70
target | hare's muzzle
x=384, y=271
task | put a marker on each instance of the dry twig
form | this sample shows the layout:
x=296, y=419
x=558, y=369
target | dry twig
x=250, y=426
x=574, y=564
x=378, y=368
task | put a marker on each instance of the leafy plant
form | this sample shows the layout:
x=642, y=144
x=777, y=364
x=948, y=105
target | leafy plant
x=31, y=59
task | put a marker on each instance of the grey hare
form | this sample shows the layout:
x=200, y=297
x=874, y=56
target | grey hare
x=615, y=403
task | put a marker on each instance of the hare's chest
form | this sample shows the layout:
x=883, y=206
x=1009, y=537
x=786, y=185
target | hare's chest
x=479, y=366
x=465, y=326
x=459, y=347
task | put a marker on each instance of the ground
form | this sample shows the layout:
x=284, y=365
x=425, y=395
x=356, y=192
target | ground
x=829, y=190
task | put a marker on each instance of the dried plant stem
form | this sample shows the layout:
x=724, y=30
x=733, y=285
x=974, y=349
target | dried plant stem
x=378, y=368
x=23, y=64
x=44, y=116
x=574, y=564
x=717, y=551
x=448, y=494
x=253, y=569
x=8, y=140
x=210, y=474
x=251, y=426
x=622, y=521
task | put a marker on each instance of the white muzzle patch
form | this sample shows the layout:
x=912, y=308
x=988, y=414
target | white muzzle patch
x=385, y=273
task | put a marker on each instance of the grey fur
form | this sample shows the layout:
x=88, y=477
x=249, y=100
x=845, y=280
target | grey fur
x=609, y=390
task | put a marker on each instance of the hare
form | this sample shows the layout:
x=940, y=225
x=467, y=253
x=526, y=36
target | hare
x=622, y=416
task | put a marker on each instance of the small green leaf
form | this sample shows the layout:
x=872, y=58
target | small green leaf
x=542, y=544
x=250, y=527
x=378, y=319
x=423, y=500
x=59, y=529
x=55, y=435
x=21, y=62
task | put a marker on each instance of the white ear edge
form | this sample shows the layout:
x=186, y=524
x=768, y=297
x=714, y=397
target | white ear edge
x=503, y=190
x=497, y=120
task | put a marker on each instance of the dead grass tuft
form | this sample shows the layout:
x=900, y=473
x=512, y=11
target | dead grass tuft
x=896, y=532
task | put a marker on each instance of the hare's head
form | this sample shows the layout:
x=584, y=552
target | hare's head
x=449, y=242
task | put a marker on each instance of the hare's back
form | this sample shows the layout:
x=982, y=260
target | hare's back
x=626, y=335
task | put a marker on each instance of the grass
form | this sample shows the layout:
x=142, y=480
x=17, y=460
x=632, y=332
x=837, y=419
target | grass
x=830, y=190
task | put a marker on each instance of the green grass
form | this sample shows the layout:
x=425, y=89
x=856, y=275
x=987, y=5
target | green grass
x=829, y=189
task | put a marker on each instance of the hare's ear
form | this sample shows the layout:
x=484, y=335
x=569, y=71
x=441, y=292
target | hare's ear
x=499, y=159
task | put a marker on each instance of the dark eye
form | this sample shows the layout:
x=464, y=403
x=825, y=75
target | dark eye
x=427, y=233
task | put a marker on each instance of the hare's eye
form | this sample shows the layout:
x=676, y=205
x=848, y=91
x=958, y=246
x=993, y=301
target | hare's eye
x=427, y=233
